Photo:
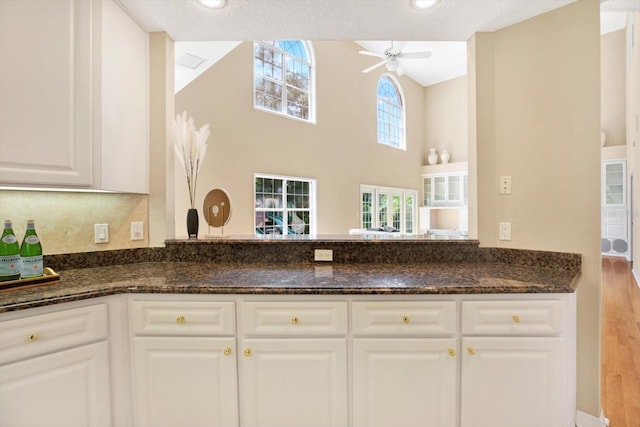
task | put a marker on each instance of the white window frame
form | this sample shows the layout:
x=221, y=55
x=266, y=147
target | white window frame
x=404, y=194
x=312, y=84
x=402, y=131
x=284, y=209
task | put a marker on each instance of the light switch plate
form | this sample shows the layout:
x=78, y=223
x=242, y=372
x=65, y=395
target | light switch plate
x=504, y=232
x=101, y=233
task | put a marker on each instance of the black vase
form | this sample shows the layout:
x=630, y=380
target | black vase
x=192, y=223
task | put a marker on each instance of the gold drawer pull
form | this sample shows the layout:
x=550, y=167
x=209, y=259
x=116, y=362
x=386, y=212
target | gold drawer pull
x=516, y=318
x=247, y=352
x=471, y=351
x=295, y=320
x=227, y=351
x=33, y=338
x=405, y=319
x=180, y=320
x=452, y=352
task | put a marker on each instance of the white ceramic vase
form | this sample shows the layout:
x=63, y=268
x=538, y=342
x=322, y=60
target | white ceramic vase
x=445, y=157
x=432, y=158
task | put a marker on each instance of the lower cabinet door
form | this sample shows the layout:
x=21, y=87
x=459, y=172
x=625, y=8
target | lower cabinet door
x=65, y=389
x=514, y=381
x=294, y=382
x=404, y=382
x=185, y=381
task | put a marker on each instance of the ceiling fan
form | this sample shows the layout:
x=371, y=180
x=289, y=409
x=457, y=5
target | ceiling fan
x=392, y=56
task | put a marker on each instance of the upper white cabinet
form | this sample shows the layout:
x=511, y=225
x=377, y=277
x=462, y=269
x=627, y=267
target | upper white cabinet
x=73, y=110
x=615, y=215
x=445, y=189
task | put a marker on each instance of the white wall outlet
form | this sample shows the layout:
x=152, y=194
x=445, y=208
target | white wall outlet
x=137, y=231
x=505, y=185
x=504, y=232
x=101, y=233
x=323, y=255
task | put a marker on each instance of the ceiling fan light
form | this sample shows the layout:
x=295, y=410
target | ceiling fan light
x=392, y=65
x=424, y=4
x=212, y=4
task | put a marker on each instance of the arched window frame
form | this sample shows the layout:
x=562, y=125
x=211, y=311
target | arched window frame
x=391, y=131
x=260, y=73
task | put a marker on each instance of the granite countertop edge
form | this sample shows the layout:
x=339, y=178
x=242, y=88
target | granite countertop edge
x=308, y=279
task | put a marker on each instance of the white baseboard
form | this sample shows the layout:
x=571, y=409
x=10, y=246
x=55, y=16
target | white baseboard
x=635, y=276
x=585, y=420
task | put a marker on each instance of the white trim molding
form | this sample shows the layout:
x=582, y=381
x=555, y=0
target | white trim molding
x=586, y=420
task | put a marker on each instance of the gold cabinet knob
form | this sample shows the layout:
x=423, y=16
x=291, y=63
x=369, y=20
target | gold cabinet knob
x=405, y=319
x=452, y=352
x=227, y=351
x=516, y=318
x=33, y=338
x=247, y=352
x=180, y=320
x=295, y=320
x=471, y=351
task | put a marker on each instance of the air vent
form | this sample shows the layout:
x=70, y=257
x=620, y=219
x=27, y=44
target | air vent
x=190, y=61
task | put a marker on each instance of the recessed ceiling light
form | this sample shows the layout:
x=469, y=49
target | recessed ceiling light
x=424, y=4
x=212, y=4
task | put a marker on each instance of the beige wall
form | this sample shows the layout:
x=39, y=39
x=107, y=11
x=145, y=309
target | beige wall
x=537, y=118
x=64, y=221
x=340, y=151
x=613, y=85
x=633, y=127
x=445, y=118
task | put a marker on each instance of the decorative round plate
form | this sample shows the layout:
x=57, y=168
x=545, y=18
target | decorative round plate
x=217, y=207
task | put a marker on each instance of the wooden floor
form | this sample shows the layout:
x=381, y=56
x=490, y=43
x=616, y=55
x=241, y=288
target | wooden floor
x=620, y=344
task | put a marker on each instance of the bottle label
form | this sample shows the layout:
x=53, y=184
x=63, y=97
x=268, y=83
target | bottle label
x=32, y=239
x=9, y=265
x=9, y=239
x=32, y=266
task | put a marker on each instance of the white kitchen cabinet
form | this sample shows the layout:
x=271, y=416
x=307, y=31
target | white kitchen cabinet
x=406, y=382
x=615, y=213
x=293, y=369
x=290, y=382
x=74, y=96
x=184, y=363
x=515, y=368
x=188, y=381
x=54, y=369
x=404, y=363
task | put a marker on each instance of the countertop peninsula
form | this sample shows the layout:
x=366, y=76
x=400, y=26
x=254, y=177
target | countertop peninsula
x=455, y=268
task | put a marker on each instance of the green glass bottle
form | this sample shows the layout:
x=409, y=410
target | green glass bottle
x=31, y=253
x=9, y=253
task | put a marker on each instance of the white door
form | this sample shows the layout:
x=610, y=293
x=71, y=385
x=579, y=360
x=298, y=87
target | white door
x=185, y=381
x=294, y=383
x=514, y=382
x=404, y=382
x=64, y=389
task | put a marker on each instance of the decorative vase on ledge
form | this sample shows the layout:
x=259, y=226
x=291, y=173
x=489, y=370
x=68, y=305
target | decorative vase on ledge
x=445, y=157
x=432, y=158
x=192, y=223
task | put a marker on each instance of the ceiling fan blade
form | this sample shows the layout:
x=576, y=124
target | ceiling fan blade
x=415, y=55
x=366, y=52
x=373, y=67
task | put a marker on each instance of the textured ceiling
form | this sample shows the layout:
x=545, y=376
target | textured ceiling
x=374, y=23
x=451, y=20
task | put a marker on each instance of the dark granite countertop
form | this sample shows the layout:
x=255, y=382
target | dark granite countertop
x=309, y=278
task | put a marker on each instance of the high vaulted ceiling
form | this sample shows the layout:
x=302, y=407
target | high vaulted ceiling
x=372, y=22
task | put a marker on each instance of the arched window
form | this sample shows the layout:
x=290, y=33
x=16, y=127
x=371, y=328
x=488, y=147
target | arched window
x=390, y=114
x=283, y=78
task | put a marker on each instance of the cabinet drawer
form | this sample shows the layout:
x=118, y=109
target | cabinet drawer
x=295, y=318
x=45, y=333
x=183, y=318
x=512, y=317
x=404, y=318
